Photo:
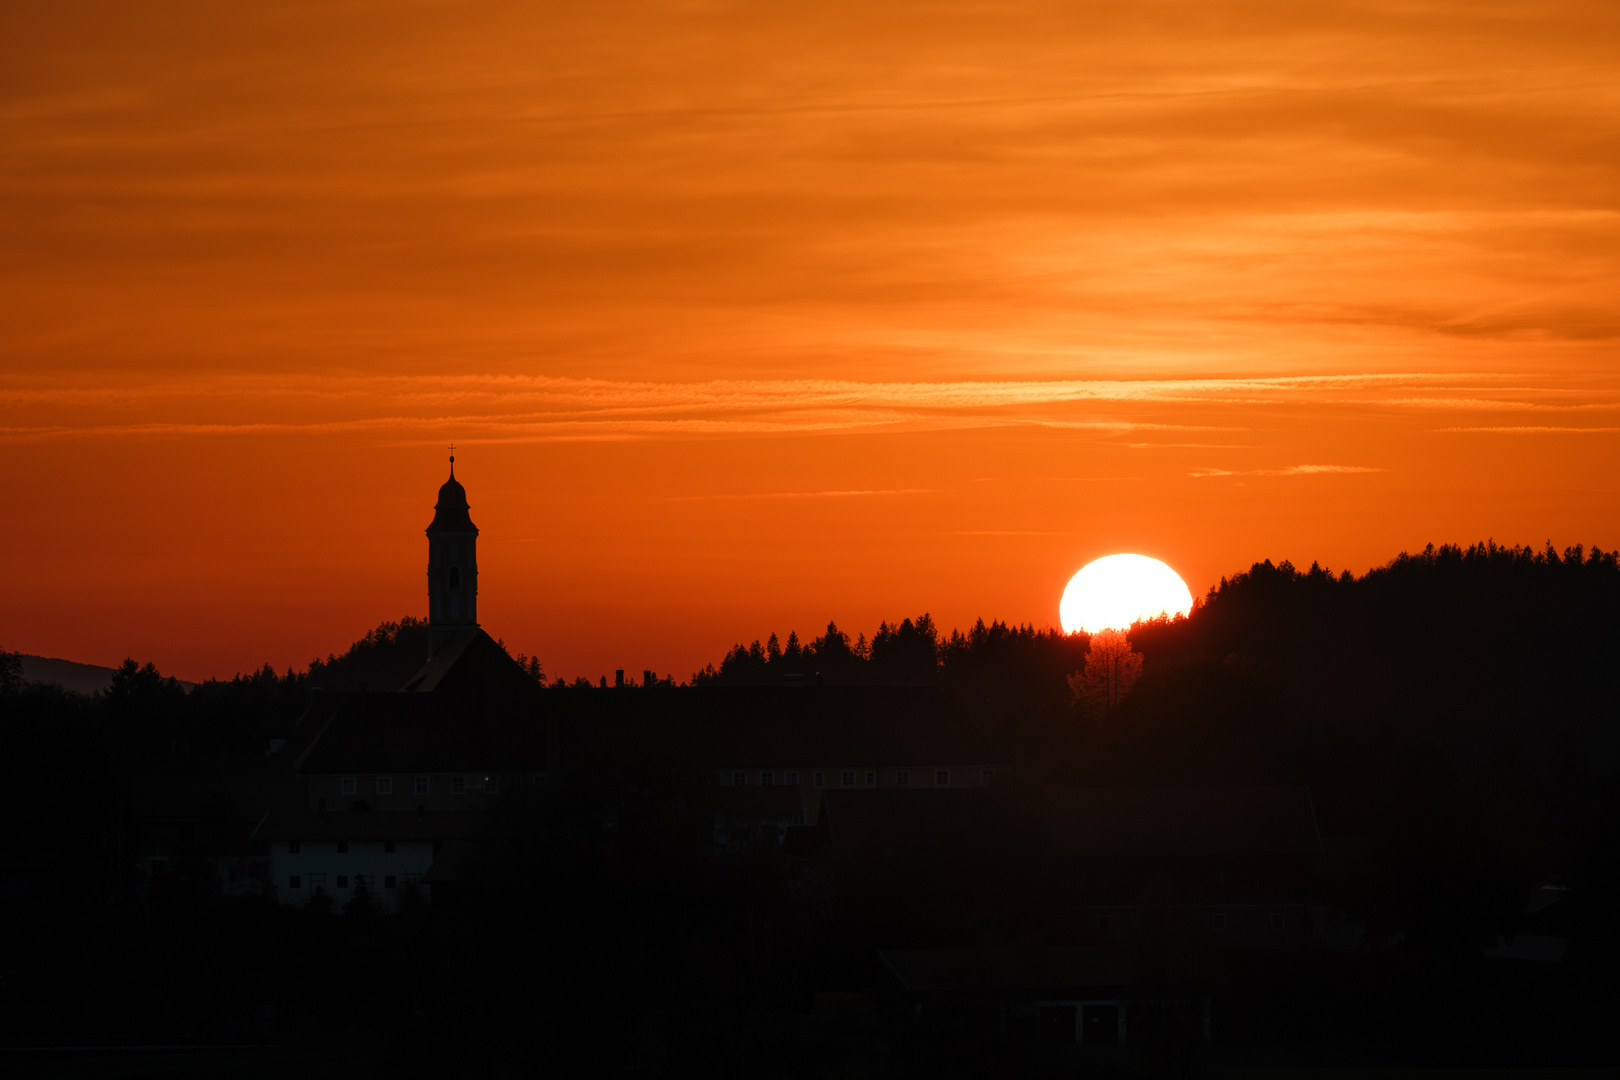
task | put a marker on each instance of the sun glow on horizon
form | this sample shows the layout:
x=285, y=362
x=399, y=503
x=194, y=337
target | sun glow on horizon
x=1115, y=591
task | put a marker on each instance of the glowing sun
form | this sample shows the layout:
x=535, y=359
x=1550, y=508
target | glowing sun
x=1115, y=591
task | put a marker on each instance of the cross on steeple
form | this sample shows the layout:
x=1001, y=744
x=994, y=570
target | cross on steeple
x=452, y=457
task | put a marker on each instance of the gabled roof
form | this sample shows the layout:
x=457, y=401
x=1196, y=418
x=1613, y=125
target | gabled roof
x=418, y=733
x=471, y=707
x=443, y=660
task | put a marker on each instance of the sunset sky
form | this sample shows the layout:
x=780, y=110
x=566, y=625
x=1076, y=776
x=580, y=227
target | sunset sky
x=747, y=316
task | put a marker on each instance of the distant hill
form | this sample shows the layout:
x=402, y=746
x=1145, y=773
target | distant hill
x=71, y=675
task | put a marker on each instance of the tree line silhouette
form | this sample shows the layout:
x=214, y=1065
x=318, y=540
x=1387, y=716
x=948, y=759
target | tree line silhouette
x=1453, y=713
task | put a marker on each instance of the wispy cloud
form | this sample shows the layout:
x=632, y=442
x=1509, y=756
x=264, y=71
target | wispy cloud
x=519, y=408
x=803, y=494
x=1291, y=470
x=1530, y=430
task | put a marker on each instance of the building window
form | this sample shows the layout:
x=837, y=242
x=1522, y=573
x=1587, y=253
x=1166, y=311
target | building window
x=388, y=881
x=491, y=785
x=818, y=779
x=343, y=847
x=295, y=882
x=1105, y=923
x=455, y=577
x=739, y=779
x=539, y=779
x=423, y=783
x=385, y=785
x=343, y=881
x=986, y=776
x=871, y=778
x=942, y=778
x=293, y=848
x=791, y=779
x=798, y=817
x=1279, y=921
x=1217, y=922
x=347, y=785
x=458, y=785
x=388, y=847
x=847, y=778
x=902, y=778
x=766, y=778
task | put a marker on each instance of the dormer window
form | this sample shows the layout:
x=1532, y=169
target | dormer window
x=455, y=578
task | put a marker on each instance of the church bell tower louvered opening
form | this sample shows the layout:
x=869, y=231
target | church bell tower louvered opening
x=452, y=562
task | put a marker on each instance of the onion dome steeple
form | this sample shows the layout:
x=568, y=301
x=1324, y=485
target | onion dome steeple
x=450, y=513
x=452, y=559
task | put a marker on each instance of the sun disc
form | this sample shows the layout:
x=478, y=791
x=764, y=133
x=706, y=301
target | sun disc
x=1115, y=591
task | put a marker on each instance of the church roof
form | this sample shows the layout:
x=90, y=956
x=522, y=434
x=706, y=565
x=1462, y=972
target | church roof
x=444, y=660
x=450, y=513
x=420, y=733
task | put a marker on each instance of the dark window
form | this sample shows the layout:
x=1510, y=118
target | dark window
x=847, y=778
x=458, y=785
x=1279, y=921
x=455, y=577
x=942, y=778
x=343, y=881
x=871, y=778
x=902, y=778
x=739, y=779
x=818, y=780
x=343, y=847
x=388, y=881
x=791, y=779
x=1104, y=923
x=986, y=775
x=388, y=846
x=765, y=779
x=295, y=882
x=1217, y=921
x=292, y=847
x=422, y=784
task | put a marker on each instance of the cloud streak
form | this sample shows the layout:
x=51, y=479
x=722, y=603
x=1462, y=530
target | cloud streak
x=494, y=408
x=1291, y=470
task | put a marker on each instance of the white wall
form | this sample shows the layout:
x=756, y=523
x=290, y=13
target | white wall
x=408, y=861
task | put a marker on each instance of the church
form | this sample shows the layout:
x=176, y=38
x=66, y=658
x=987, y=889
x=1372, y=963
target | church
x=392, y=774
x=391, y=777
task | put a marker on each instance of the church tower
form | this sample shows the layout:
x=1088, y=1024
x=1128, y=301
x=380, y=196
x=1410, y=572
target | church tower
x=452, y=563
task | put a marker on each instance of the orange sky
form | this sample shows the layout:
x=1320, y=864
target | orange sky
x=748, y=316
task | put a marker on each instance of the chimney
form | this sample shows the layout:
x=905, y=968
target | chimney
x=648, y=677
x=618, y=677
